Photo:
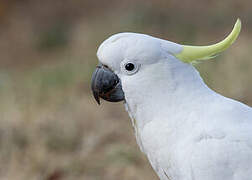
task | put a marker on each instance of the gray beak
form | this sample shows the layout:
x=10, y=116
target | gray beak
x=106, y=85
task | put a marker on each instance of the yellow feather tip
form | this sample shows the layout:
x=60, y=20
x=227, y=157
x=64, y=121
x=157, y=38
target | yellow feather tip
x=190, y=54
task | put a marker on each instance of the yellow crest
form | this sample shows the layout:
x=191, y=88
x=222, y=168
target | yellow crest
x=190, y=54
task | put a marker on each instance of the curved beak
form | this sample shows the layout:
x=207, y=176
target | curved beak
x=106, y=85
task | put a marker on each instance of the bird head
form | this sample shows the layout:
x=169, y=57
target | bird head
x=132, y=63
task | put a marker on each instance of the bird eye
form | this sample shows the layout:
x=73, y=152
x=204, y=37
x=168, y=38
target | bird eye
x=130, y=67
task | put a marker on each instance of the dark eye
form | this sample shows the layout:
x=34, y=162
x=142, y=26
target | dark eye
x=129, y=66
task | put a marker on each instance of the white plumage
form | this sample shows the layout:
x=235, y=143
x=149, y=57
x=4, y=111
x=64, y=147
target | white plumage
x=187, y=131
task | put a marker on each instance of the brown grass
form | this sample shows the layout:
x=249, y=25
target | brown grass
x=51, y=127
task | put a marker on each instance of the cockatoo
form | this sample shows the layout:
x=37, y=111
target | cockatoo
x=186, y=130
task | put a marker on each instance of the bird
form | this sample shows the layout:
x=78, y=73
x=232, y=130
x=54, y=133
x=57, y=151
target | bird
x=186, y=130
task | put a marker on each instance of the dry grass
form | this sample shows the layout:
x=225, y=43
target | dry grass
x=51, y=128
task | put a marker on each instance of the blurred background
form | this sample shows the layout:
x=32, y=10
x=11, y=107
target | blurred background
x=51, y=127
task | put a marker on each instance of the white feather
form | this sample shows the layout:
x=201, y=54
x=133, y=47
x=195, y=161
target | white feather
x=187, y=131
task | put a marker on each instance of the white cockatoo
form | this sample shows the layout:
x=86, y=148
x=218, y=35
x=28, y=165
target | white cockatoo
x=187, y=131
